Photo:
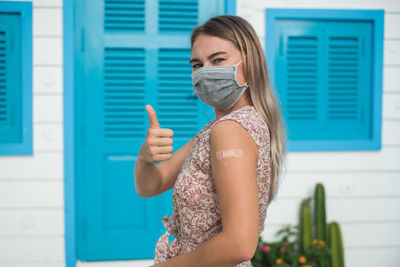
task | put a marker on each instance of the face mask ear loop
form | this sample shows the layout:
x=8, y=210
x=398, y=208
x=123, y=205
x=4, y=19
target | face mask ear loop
x=236, y=72
x=240, y=61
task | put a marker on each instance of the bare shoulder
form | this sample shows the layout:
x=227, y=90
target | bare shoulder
x=228, y=134
x=233, y=163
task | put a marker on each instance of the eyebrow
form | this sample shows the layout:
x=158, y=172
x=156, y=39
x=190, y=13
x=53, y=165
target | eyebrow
x=209, y=57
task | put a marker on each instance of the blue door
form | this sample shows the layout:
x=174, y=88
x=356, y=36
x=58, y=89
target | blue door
x=129, y=53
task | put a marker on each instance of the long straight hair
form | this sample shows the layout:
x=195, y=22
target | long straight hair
x=243, y=36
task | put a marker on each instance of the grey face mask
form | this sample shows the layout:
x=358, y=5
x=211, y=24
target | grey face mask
x=217, y=86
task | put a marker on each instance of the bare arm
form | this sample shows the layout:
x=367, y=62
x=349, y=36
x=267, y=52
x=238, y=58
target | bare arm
x=151, y=179
x=169, y=169
x=236, y=183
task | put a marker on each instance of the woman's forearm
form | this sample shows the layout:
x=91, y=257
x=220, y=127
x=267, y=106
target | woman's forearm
x=219, y=251
x=147, y=177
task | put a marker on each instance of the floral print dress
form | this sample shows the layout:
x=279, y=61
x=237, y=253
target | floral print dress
x=196, y=215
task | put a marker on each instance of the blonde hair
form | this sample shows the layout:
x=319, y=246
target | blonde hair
x=242, y=35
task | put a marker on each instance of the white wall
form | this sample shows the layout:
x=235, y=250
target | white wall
x=31, y=187
x=362, y=188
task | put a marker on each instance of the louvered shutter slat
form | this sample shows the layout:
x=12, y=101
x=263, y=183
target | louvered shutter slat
x=176, y=109
x=11, y=97
x=4, y=119
x=324, y=79
x=343, y=78
x=302, y=88
x=124, y=92
x=177, y=16
x=126, y=15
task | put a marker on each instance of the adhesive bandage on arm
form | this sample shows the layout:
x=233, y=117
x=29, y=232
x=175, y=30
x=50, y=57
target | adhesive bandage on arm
x=229, y=153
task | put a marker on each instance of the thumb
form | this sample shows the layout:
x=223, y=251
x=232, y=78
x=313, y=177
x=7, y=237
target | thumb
x=153, y=117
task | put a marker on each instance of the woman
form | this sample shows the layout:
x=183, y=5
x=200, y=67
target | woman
x=226, y=176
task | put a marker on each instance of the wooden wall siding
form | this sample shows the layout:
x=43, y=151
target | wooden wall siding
x=31, y=187
x=362, y=188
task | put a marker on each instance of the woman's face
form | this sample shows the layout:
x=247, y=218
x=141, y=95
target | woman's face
x=214, y=51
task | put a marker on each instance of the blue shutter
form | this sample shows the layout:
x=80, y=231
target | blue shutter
x=129, y=56
x=124, y=92
x=10, y=79
x=323, y=76
x=177, y=15
x=122, y=16
x=177, y=105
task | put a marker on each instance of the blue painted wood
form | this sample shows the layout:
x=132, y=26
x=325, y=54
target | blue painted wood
x=69, y=59
x=15, y=78
x=322, y=68
x=324, y=79
x=10, y=80
x=123, y=63
x=230, y=7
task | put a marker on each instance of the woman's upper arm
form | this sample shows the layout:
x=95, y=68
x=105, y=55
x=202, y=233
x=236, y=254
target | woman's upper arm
x=169, y=169
x=236, y=183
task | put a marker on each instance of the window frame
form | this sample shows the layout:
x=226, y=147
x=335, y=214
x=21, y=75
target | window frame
x=25, y=147
x=374, y=16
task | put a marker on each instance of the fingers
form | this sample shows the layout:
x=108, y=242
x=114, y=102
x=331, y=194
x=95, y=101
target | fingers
x=152, y=117
x=162, y=150
x=158, y=153
x=158, y=145
x=162, y=141
x=158, y=132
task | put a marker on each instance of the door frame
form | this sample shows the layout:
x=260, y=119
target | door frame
x=69, y=131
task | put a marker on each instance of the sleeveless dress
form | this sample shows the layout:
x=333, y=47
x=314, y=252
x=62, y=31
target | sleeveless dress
x=196, y=215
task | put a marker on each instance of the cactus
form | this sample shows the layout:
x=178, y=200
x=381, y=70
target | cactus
x=319, y=212
x=305, y=237
x=335, y=243
x=328, y=235
x=340, y=242
x=321, y=246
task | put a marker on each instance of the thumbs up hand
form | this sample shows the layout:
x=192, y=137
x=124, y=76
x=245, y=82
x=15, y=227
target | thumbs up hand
x=158, y=144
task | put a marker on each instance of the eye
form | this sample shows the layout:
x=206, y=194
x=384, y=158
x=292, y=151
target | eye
x=196, y=66
x=218, y=60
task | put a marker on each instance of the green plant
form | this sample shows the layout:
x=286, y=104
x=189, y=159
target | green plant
x=305, y=233
x=320, y=215
x=335, y=244
x=284, y=253
x=300, y=246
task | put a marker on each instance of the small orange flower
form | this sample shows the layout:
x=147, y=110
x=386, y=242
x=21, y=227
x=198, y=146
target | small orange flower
x=302, y=259
x=278, y=261
x=314, y=241
x=322, y=242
